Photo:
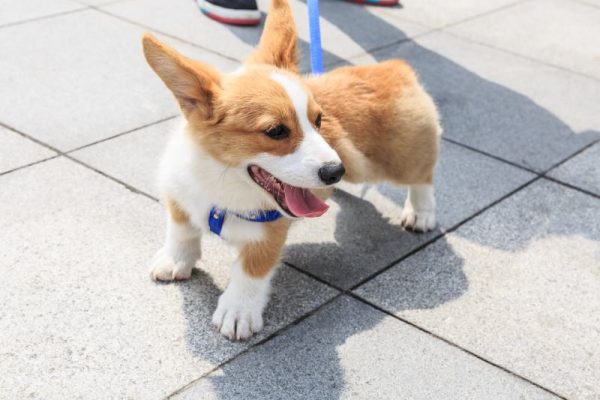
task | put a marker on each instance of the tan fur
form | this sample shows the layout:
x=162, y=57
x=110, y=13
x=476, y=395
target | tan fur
x=395, y=133
x=176, y=212
x=277, y=44
x=258, y=258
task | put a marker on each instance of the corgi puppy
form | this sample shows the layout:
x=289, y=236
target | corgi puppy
x=261, y=147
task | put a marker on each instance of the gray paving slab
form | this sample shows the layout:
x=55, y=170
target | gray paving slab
x=517, y=285
x=69, y=92
x=132, y=158
x=347, y=29
x=16, y=150
x=500, y=103
x=12, y=12
x=439, y=13
x=351, y=351
x=361, y=233
x=80, y=317
x=582, y=170
x=564, y=33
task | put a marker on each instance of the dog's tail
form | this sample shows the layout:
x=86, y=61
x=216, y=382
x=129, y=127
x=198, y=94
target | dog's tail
x=278, y=44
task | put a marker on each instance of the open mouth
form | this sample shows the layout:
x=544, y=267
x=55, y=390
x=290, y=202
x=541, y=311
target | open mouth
x=296, y=201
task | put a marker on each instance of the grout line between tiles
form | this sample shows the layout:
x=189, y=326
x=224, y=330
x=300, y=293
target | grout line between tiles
x=266, y=339
x=420, y=35
x=367, y=302
x=29, y=165
x=61, y=153
x=141, y=25
x=570, y=186
x=444, y=233
x=122, y=134
x=485, y=153
x=521, y=56
x=43, y=17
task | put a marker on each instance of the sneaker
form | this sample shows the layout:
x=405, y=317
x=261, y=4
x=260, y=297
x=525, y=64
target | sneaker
x=383, y=3
x=234, y=12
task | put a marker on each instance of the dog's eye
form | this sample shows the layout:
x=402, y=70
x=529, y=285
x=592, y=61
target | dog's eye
x=278, y=132
x=318, y=121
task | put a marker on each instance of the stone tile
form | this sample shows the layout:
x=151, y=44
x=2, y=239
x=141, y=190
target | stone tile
x=132, y=158
x=16, y=151
x=345, y=352
x=347, y=29
x=582, y=170
x=79, y=315
x=85, y=89
x=500, y=103
x=564, y=33
x=517, y=285
x=361, y=233
x=438, y=13
x=22, y=10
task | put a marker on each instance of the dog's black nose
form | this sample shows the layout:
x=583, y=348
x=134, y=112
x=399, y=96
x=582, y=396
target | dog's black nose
x=331, y=172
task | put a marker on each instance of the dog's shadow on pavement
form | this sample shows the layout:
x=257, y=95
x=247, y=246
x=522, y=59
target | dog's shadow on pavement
x=473, y=110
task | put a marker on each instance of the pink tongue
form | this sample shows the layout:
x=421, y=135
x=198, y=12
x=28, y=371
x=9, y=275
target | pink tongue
x=302, y=203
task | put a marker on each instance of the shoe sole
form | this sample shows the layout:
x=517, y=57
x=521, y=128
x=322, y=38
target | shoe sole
x=228, y=15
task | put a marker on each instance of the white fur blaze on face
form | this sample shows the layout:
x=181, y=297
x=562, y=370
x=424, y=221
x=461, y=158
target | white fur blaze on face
x=300, y=168
x=239, y=312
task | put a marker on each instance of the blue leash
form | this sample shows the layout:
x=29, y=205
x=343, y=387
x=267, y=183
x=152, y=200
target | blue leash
x=316, y=52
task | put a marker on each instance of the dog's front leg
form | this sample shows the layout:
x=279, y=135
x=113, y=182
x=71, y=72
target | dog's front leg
x=176, y=259
x=240, y=308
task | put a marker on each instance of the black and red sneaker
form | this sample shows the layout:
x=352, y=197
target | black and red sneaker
x=234, y=12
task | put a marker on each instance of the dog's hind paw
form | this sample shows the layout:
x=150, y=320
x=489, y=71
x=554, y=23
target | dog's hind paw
x=164, y=268
x=417, y=221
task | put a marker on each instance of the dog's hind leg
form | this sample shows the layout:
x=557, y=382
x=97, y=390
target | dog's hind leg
x=419, y=208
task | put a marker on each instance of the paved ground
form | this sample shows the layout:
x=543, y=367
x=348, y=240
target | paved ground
x=501, y=302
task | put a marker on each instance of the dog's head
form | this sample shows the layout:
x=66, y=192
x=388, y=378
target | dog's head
x=261, y=120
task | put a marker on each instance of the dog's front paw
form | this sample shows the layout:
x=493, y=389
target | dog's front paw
x=417, y=221
x=238, y=317
x=165, y=268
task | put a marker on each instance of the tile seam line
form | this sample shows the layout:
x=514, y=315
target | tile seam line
x=490, y=155
x=521, y=56
x=44, y=17
x=261, y=342
x=447, y=231
x=118, y=135
x=160, y=32
x=542, y=174
x=431, y=30
x=29, y=164
x=449, y=342
x=60, y=153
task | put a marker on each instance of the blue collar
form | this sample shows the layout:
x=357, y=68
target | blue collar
x=216, y=218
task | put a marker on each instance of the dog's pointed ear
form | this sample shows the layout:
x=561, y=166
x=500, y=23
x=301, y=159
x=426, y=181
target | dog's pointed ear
x=278, y=44
x=196, y=86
